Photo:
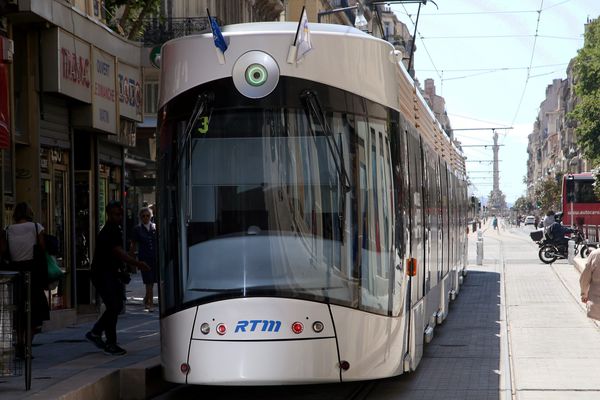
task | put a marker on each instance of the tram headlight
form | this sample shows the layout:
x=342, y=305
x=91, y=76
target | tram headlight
x=317, y=326
x=205, y=328
x=255, y=74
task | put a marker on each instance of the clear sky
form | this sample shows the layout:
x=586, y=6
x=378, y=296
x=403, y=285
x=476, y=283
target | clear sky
x=492, y=61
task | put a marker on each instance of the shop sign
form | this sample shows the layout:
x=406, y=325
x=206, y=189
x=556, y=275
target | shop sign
x=56, y=155
x=44, y=159
x=129, y=83
x=104, y=104
x=67, y=65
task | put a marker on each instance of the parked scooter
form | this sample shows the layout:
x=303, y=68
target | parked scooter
x=552, y=249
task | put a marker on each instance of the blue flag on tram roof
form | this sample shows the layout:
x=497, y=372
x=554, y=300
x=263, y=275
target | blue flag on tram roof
x=216, y=32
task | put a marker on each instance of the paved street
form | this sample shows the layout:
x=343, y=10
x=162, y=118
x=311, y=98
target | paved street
x=66, y=364
x=516, y=331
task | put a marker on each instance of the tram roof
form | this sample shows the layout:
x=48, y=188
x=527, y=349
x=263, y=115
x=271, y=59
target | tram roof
x=360, y=64
x=285, y=27
x=191, y=60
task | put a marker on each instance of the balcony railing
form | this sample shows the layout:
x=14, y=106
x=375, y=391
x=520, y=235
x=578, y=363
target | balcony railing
x=159, y=30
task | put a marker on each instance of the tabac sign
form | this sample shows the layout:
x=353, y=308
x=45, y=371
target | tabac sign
x=67, y=65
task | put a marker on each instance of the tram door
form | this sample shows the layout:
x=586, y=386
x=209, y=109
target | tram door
x=416, y=216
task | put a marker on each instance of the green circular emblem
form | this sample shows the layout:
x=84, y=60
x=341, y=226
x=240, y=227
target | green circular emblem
x=256, y=75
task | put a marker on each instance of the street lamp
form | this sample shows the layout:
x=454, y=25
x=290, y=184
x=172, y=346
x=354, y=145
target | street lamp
x=360, y=22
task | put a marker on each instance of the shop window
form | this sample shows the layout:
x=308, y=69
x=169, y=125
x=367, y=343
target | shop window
x=151, y=97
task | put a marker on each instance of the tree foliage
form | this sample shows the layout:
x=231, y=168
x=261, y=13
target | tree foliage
x=497, y=200
x=128, y=16
x=547, y=194
x=587, y=88
x=523, y=205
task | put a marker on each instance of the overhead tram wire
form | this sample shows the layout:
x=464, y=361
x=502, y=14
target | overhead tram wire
x=484, y=12
x=555, y=5
x=498, y=68
x=491, y=71
x=499, y=37
x=537, y=27
x=422, y=42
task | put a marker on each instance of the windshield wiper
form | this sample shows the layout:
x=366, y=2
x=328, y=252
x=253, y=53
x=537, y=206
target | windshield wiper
x=202, y=103
x=312, y=106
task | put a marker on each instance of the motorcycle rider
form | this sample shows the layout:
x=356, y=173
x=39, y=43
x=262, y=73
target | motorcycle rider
x=557, y=231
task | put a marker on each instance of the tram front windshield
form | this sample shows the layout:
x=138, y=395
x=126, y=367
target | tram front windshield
x=265, y=208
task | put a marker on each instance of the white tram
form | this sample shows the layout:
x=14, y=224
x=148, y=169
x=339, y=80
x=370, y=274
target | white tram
x=312, y=216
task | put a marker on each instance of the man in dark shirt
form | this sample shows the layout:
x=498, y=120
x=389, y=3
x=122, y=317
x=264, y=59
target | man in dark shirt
x=107, y=276
x=558, y=232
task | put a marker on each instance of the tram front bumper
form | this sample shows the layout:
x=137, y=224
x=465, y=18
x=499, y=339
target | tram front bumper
x=264, y=362
x=251, y=341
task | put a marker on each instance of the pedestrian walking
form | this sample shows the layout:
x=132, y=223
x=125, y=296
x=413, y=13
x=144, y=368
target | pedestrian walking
x=495, y=223
x=109, y=278
x=18, y=245
x=144, y=241
x=590, y=284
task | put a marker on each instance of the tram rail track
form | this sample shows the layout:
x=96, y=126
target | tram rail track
x=362, y=391
x=507, y=384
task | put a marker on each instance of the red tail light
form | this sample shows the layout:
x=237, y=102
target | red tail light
x=297, y=327
x=221, y=329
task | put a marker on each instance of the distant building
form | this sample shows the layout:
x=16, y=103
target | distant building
x=552, y=146
x=438, y=106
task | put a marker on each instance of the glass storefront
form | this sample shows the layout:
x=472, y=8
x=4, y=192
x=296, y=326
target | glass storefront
x=55, y=219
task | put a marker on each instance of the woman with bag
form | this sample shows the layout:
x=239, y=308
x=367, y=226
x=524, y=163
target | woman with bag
x=23, y=244
x=590, y=284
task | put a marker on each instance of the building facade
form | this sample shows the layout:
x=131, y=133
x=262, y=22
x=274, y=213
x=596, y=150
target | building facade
x=178, y=18
x=552, y=146
x=76, y=97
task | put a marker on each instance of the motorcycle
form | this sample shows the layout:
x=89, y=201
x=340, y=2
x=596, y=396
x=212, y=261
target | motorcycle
x=552, y=250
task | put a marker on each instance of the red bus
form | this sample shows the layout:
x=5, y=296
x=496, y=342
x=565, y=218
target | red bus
x=579, y=200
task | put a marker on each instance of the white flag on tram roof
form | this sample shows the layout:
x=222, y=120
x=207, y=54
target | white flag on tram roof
x=302, y=44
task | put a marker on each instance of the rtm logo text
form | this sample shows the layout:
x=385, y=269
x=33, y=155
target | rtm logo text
x=257, y=324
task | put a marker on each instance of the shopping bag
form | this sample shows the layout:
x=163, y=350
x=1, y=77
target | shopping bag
x=54, y=271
